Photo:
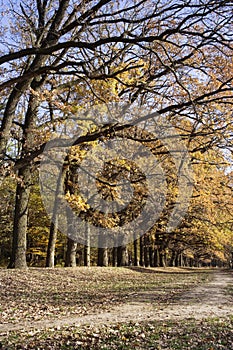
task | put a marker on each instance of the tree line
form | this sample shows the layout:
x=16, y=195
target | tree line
x=62, y=58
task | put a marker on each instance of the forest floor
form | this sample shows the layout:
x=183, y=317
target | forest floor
x=116, y=308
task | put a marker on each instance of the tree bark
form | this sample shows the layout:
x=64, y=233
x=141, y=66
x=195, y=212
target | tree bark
x=142, y=261
x=173, y=259
x=136, y=258
x=156, y=257
x=19, y=245
x=114, y=256
x=146, y=251
x=122, y=256
x=87, y=247
x=54, y=224
x=162, y=256
x=151, y=256
x=70, y=260
x=103, y=257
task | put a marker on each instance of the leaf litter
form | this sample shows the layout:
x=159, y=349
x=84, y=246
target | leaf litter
x=56, y=295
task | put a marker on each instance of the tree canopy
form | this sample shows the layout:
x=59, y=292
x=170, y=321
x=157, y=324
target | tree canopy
x=60, y=58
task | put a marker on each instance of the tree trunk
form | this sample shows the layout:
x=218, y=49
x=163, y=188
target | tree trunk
x=162, y=258
x=114, y=256
x=122, y=256
x=19, y=245
x=52, y=243
x=70, y=260
x=103, y=257
x=136, y=259
x=151, y=256
x=146, y=251
x=18, y=257
x=156, y=257
x=173, y=258
x=87, y=255
x=54, y=224
x=181, y=260
x=35, y=65
x=142, y=262
x=87, y=248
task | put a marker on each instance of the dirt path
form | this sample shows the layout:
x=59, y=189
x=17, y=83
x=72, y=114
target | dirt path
x=208, y=300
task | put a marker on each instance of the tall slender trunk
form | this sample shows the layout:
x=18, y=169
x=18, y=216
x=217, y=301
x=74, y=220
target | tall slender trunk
x=162, y=255
x=142, y=261
x=135, y=246
x=87, y=247
x=52, y=243
x=70, y=260
x=151, y=256
x=54, y=224
x=173, y=258
x=181, y=260
x=114, y=256
x=146, y=251
x=156, y=257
